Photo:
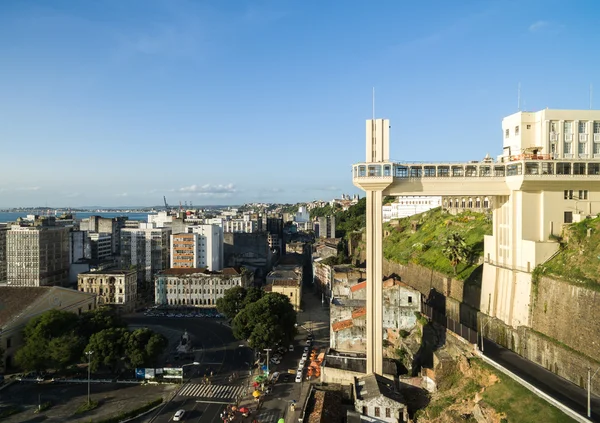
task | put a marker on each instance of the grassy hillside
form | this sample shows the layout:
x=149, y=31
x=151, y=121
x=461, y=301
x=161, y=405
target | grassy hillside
x=501, y=398
x=579, y=258
x=423, y=246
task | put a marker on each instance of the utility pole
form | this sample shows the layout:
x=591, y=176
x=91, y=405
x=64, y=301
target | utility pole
x=589, y=393
x=89, y=356
x=268, y=350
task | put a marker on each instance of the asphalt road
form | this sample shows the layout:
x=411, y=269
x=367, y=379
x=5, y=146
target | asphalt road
x=561, y=389
x=217, y=351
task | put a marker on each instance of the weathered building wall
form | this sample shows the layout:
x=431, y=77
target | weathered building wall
x=570, y=314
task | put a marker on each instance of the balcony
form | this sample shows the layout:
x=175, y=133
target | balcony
x=568, y=137
x=597, y=137
x=583, y=137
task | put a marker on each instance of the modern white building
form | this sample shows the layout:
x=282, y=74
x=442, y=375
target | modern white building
x=201, y=246
x=302, y=216
x=244, y=225
x=147, y=248
x=161, y=219
x=196, y=287
x=409, y=205
x=548, y=175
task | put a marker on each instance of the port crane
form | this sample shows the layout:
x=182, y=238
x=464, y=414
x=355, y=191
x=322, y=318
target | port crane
x=166, y=205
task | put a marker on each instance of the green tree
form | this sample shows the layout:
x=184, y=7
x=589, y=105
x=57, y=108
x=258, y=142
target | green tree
x=143, y=347
x=455, y=249
x=108, y=348
x=232, y=301
x=51, y=342
x=266, y=322
x=97, y=320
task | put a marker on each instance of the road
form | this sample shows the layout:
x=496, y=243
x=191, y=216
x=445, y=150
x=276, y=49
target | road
x=561, y=389
x=216, y=351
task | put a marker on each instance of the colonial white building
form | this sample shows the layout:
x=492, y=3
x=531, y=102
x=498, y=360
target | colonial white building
x=196, y=287
x=111, y=287
x=408, y=205
x=375, y=396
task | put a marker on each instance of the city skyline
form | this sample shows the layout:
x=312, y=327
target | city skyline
x=121, y=103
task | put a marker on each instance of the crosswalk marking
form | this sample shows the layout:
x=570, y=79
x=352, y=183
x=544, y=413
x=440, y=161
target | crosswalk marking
x=268, y=416
x=211, y=391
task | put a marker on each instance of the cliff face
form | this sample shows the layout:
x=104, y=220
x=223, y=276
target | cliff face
x=564, y=336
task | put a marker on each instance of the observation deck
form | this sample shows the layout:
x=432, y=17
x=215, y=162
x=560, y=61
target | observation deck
x=488, y=177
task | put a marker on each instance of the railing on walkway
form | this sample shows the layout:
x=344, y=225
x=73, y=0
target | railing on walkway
x=458, y=328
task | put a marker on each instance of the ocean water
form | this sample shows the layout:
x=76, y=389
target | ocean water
x=11, y=217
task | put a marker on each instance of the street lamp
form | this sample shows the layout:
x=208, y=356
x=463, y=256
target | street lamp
x=589, y=386
x=89, y=356
x=268, y=350
x=195, y=363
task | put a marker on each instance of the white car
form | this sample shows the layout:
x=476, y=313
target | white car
x=301, y=364
x=305, y=355
x=291, y=347
x=306, y=349
x=299, y=376
x=275, y=360
x=178, y=415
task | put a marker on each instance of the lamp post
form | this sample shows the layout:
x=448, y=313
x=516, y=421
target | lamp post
x=589, y=393
x=89, y=356
x=481, y=333
x=195, y=363
x=268, y=350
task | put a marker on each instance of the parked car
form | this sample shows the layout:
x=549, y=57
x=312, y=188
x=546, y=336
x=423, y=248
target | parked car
x=299, y=376
x=178, y=415
x=291, y=348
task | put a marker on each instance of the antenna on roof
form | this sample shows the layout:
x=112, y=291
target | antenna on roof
x=373, y=103
x=519, y=97
x=591, y=95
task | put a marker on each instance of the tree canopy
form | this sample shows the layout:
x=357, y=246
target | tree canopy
x=57, y=339
x=265, y=322
x=236, y=298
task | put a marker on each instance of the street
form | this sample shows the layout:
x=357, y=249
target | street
x=217, y=350
x=561, y=389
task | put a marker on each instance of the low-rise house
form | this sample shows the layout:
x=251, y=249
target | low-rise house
x=286, y=280
x=197, y=287
x=18, y=305
x=375, y=396
x=113, y=287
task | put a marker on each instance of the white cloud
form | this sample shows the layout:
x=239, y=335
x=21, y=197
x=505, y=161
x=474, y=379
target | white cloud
x=538, y=26
x=208, y=189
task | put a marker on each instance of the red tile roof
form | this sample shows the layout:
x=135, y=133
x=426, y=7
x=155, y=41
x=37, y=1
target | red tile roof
x=358, y=286
x=342, y=324
x=359, y=312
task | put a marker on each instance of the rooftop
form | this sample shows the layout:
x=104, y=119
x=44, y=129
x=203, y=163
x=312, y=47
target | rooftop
x=355, y=362
x=183, y=271
x=373, y=385
x=348, y=302
x=109, y=272
x=14, y=300
x=283, y=274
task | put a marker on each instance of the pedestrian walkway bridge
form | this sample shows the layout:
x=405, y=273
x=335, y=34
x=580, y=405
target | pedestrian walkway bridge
x=487, y=177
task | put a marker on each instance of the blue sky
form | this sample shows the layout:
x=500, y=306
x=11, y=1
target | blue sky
x=224, y=102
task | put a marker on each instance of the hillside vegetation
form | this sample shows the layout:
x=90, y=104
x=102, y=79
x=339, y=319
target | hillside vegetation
x=419, y=239
x=579, y=258
x=472, y=389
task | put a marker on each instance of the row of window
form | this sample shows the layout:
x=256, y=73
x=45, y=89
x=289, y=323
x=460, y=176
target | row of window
x=377, y=412
x=467, y=204
x=161, y=290
x=191, y=301
x=569, y=194
x=582, y=127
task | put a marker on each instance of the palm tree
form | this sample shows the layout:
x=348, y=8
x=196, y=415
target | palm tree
x=455, y=249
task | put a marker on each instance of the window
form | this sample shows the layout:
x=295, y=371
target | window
x=516, y=130
x=596, y=127
x=568, y=126
x=583, y=194
x=8, y=342
x=568, y=194
x=507, y=133
x=377, y=414
x=528, y=126
x=582, y=127
x=552, y=126
x=291, y=294
x=364, y=410
x=388, y=412
x=597, y=148
x=582, y=148
x=563, y=168
x=567, y=148
x=568, y=217
x=578, y=168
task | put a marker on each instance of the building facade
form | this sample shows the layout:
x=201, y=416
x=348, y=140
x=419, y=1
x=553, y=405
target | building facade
x=287, y=280
x=325, y=227
x=377, y=399
x=37, y=255
x=147, y=248
x=196, y=287
x=209, y=246
x=105, y=225
x=244, y=225
x=111, y=287
x=3, y=232
x=409, y=205
x=100, y=246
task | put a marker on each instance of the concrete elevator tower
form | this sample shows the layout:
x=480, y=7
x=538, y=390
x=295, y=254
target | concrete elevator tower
x=379, y=170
